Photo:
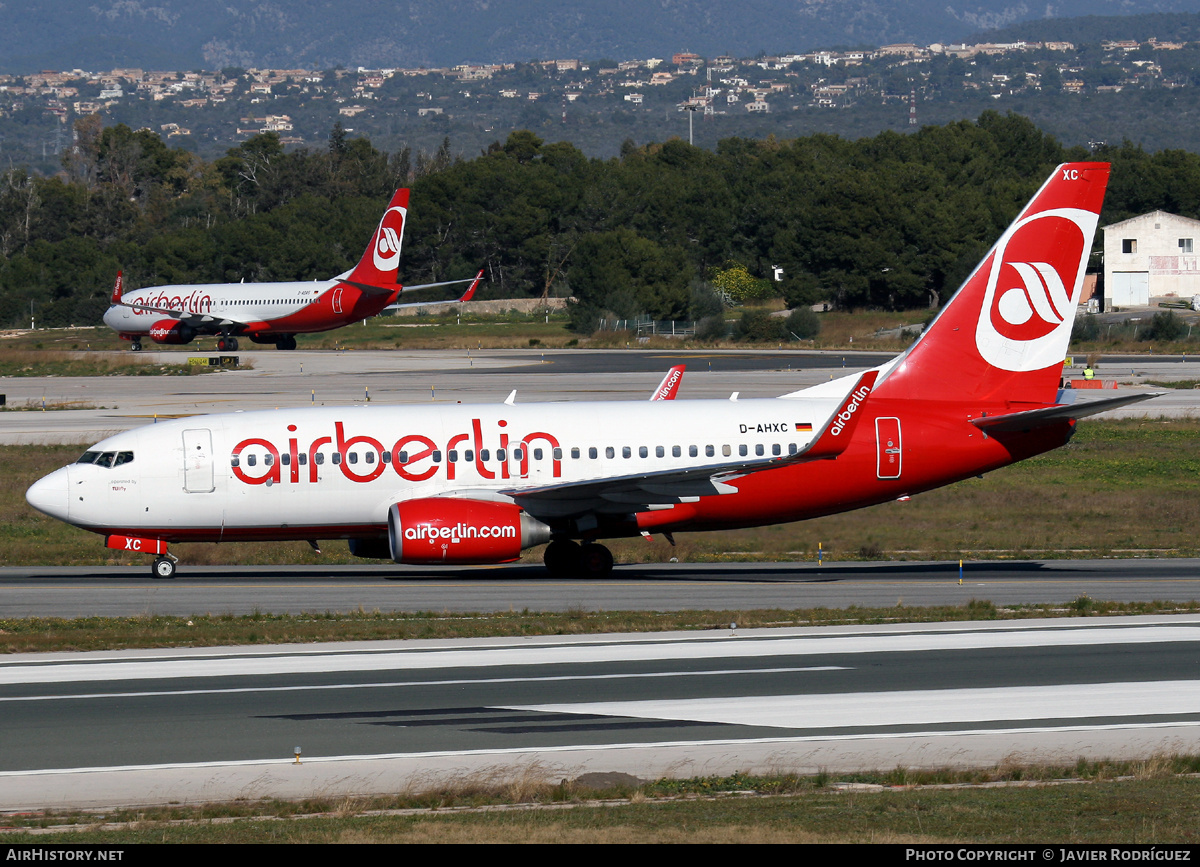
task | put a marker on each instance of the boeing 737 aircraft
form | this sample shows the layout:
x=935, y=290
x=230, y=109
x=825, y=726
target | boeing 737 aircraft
x=273, y=312
x=461, y=484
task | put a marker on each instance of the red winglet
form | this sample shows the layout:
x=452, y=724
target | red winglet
x=474, y=285
x=839, y=430
x=118, y=287
x=669, y=387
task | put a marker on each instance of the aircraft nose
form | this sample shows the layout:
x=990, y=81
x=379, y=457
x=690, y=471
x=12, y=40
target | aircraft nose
x=51, y=494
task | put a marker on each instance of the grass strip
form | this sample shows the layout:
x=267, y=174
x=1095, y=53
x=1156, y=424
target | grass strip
x=45, y=634
x=1152, y=801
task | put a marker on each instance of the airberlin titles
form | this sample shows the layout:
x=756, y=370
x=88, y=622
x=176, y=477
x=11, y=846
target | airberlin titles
x=414, y=457
x=194, y=302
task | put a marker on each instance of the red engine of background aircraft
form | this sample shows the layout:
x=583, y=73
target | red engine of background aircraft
x=452, y=530
x=171, y=331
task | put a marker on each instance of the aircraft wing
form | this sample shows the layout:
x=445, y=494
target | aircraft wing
x=196, y=320
x=641, y=490
x=466, y=296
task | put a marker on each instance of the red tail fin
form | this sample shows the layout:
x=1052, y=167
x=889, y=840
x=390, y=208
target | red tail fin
x=118, y=289
x=380, y=261
x=1004, y=334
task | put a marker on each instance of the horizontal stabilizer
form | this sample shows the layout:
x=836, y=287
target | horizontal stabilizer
x=1032, y=418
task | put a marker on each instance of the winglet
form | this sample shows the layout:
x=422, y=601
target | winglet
x=118, y=288
x=669, y=387
x=471, y=289
x=839, y=430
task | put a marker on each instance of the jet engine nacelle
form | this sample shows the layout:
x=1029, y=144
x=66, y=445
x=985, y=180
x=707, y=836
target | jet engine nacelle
x=171, y=331
x=453, y=530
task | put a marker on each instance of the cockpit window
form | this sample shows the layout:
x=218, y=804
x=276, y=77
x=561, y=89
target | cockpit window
x=106, y=459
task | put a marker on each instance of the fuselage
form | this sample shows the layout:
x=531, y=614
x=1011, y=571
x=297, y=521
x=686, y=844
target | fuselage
x=334, y=472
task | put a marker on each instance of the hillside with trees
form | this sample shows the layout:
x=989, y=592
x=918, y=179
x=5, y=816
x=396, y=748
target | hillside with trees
x=888, y=222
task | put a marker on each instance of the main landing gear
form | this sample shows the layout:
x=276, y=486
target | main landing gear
x=227, y=344
x=288, y=341
x=567, y=559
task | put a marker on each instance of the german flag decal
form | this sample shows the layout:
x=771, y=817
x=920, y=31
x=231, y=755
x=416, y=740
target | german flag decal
x=803, y=426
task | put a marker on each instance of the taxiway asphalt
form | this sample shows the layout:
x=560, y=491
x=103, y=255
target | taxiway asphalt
x=306, y=378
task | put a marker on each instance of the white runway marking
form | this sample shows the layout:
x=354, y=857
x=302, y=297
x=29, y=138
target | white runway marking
x=911, y=707
x=205, y=663
x=317, y=687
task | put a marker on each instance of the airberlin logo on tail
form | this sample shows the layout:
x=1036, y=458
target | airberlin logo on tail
x=387, y=239
x=1033, y=281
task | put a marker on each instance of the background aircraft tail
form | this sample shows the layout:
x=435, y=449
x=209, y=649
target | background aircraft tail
x=1003, y=336
x=381, y=260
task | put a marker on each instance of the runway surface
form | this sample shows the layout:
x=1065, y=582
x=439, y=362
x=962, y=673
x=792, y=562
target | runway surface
x=98, y=729
x=127, y=591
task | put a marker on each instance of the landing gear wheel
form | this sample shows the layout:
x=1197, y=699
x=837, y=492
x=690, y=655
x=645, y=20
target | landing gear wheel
x=227, y=344
x=288, y=342
x=562, y=558
x=163, y=568
x=135, y=346
x=596, y=561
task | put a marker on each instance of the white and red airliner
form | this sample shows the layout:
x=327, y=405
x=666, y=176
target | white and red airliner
x=465, y=484
x=273, y=312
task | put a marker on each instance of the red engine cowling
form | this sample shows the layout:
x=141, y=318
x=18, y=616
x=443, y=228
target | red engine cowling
x=171, y=331
x=452, y=530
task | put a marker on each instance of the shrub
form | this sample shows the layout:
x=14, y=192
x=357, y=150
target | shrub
x=761, y=325
x=803, y=323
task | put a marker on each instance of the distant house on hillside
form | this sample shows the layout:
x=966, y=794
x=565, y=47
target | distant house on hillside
x=1151, y=255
